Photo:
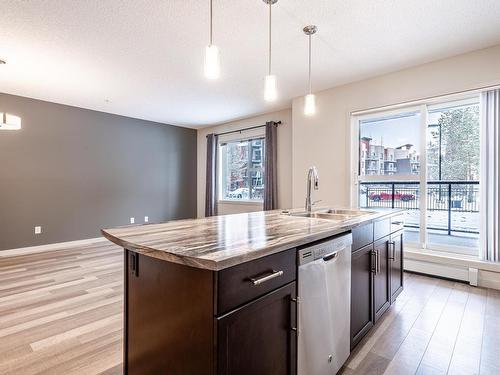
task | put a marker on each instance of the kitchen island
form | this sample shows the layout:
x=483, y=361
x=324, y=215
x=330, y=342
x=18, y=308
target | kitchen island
x=218, y=295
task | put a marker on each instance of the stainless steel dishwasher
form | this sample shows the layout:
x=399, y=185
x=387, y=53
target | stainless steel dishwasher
x=324, y=306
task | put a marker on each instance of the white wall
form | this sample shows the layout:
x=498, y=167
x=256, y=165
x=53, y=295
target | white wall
x=284, y=160
x=324, y=139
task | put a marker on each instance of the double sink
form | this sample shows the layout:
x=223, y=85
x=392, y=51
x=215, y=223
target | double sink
x=332, y=214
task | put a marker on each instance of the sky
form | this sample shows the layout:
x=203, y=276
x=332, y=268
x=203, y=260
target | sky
x=393, y=132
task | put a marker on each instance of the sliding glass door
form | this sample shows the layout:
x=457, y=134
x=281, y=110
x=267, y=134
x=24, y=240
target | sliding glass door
x=453, y=153
x=423, y=159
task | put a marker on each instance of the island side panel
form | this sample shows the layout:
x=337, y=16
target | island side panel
x=168, y=317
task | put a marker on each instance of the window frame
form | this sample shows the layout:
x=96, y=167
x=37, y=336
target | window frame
x=254, y=134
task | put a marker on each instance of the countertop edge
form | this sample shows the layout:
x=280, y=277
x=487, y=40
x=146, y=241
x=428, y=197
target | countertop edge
x=239, y=259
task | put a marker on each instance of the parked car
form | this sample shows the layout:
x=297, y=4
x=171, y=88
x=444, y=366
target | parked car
x=383, y=196
x=241, y=193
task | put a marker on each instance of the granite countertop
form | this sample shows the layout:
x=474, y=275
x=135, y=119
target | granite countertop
x=219, y=242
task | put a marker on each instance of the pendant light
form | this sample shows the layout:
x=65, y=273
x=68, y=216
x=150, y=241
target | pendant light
x=212, y=62
x=310, y=98
x=270, y=91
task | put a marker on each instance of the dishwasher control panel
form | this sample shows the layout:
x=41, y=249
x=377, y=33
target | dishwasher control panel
x=324, y=249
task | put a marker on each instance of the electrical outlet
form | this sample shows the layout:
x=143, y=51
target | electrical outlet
x=132, y=220
x=38, y=230
x=146, y=219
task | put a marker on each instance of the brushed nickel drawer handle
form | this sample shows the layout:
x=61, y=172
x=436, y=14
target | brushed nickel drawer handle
x=263, y=279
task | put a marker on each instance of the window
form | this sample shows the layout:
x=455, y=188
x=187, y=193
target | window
x=424, y=159
x=242, y=170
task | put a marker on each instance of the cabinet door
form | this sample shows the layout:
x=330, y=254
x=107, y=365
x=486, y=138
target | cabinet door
x=260, y=337
x=381, y=287
x=361, y=294
x=396, y=264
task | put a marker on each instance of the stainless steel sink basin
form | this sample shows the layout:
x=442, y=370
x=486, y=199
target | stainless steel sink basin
x=332, y=214
x=319, y=215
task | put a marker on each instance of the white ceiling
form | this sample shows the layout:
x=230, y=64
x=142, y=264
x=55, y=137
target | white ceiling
x=144, y=58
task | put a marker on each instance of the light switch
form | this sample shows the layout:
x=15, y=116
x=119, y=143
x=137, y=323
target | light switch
x=146, y=219
x=38, y=230
x=132, y=220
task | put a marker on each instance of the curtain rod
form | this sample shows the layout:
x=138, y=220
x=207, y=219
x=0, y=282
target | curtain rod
x=245, y=129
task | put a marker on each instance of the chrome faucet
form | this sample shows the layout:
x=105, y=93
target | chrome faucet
x=312, y=175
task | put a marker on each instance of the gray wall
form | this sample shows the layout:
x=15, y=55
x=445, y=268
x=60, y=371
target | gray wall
x=74, y=171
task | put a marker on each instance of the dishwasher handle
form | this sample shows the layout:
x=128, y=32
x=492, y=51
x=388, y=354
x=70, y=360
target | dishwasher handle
x=331, y=256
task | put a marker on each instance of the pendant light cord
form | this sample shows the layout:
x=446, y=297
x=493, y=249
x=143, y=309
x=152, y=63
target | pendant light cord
x=269, y=68
x=211, y=23
x=310, y=63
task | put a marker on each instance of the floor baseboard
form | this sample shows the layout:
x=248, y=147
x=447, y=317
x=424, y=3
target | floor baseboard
x=51, y=247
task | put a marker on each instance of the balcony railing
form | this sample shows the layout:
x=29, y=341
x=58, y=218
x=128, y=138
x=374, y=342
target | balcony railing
x=446, y=197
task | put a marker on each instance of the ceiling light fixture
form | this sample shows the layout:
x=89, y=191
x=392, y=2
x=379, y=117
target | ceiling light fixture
x=310, y=99
x=9, y=122
x=212, y=60
x=270, y=91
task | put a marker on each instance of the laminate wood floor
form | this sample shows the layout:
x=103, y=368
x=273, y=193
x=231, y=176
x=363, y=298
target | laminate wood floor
x=61, y=313
x=435, y=327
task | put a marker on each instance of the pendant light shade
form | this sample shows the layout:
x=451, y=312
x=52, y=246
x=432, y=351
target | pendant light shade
x=270, y=91
x=212, y=60
x=310, y=105
x=270, y=85
x=310, y=98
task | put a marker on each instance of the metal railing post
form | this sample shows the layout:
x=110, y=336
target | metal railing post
x=393, y=192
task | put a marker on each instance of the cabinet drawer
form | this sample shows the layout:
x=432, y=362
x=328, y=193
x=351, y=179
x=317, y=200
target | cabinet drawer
x=244, y=282
x=397, y=223
x=362, y=236
x=381, y=228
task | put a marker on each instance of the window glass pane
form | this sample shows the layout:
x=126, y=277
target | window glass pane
x=390, y=145
x=257, y=169
x=453, y=152
x=242, y=170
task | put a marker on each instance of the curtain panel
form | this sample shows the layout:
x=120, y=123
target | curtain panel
x=211, y=176
x=490, y=175
x=271, y=159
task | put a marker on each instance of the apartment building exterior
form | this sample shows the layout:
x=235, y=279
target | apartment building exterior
x=379, y=160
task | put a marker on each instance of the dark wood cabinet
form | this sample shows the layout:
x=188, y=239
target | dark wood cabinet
x=381, y=278
x=260, y=337
x=376, y=273
x=396, y=264
x=185, y=320
x=361, y=293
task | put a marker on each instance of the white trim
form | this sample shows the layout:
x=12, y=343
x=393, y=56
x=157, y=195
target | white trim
x=386, y=111
x=354, y=161
x=241, y=202
x=51, y=247
x=384, y=177
x=422, y=174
